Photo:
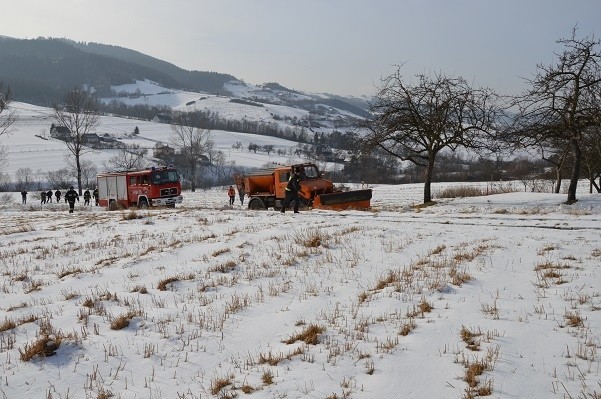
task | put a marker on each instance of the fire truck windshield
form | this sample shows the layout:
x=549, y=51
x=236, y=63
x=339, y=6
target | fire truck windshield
x=164, y=176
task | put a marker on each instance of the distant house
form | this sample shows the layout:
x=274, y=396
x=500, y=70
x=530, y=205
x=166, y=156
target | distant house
x=163, y=151
x=90, y=139
x=60, y=132
x=108, y=140
x=163, y=118
x=204, y=160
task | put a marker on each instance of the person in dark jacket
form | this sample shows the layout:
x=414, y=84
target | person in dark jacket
x=43, y=197
x=58, y=194
x=24, y=197
x=241, y=194
x=95, y=195
x=70, y=197
x=292, y=191
x=86, y=197
x=49, y=196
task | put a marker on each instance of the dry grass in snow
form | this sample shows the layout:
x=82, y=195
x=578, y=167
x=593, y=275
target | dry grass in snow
x=455, y=300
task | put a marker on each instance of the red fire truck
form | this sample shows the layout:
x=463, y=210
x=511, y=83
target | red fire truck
x=141, y=188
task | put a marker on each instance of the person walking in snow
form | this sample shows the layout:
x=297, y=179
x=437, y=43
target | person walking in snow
x=58, y=194
x=86, y=197
x=241, y=194
x=49, y=196
x=232, y=194
x=70, y=197
x=95, y=195
x=43, y=197
x=292, y=191
x=24, y=197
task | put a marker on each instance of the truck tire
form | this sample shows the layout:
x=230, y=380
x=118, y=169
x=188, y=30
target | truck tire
x=112, y=205
x=143, y=203
x=256, y=204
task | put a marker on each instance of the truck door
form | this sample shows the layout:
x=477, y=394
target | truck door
x=281, y=181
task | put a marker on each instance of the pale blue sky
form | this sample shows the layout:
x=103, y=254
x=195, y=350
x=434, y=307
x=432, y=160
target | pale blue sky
x=337, y=46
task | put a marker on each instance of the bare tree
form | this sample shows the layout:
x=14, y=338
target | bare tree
x=24, y=177
x=415, y=122
x=221, y=171
x=88, y=173
x=3, y=156
x=564, y=100
x=129, y=158
x=60, y=178
x=592, y=157
x=79, y=114
x=268, y=148
x=4, y=181
x=557, y=156
x=193, y=143
x=7, y=117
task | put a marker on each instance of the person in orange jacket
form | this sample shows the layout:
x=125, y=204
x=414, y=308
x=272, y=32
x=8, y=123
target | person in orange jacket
x=232, y=194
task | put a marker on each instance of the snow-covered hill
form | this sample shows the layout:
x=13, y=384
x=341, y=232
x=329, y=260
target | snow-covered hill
x=267, y=103
x=29, y=144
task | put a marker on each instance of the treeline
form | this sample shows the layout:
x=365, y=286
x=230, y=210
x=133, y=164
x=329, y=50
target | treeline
x=209, y=120
x=379, y=168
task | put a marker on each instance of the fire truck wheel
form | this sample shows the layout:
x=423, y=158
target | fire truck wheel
x=143, y=203
x=112, y=205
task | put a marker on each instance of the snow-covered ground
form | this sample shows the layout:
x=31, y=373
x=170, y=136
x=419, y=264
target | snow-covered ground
x=499, y=293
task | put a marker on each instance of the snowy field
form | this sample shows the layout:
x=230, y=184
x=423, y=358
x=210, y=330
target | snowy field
x=496, y=296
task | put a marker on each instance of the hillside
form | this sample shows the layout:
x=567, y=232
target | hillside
x=40, y=71
x=30, y=146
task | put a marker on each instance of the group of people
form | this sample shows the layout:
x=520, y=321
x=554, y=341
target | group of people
x=70, y=197
x=46, y=196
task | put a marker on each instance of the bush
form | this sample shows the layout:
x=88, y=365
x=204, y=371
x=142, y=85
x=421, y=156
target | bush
x=471, y=191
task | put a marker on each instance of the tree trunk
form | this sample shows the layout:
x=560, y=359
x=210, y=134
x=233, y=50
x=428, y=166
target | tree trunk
x=193, y=179
x=428, y=181
x=575, y=172
x=78, y=165
x=558, y=179
x=594, y=184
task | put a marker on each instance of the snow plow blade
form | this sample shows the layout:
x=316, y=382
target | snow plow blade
x=359, y=199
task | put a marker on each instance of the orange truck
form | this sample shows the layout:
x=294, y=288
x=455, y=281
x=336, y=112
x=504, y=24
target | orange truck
x=266, y=189
x=141, y=188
